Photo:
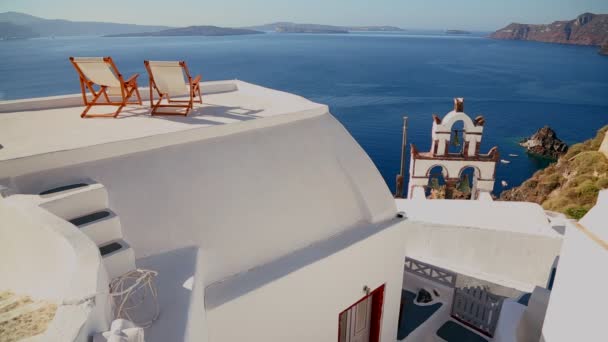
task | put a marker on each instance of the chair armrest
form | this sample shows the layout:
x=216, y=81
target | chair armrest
x=196, y=79
x=133, y=78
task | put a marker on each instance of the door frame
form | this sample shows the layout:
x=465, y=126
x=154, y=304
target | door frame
x=377, y=297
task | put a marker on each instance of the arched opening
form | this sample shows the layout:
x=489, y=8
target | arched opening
x=466, y=187
x=456, y=145
x=436, y=185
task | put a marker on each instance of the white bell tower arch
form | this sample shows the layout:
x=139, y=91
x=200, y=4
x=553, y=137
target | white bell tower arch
x=453, y=164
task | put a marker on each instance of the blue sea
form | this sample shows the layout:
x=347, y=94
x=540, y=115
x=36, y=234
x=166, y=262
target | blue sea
x=369, y=80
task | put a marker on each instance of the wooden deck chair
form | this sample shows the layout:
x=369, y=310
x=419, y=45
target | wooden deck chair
x=172, y=80
x=102, y=71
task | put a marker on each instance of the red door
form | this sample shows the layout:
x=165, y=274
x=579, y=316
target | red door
x=361, y=321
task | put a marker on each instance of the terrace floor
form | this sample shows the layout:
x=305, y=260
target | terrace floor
x=174, y=269
x=413, y=315
x=431, y=321
x=34, y=127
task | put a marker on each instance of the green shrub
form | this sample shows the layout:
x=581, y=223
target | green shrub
x=587, y=192
x=580, y=179
x=576, y=212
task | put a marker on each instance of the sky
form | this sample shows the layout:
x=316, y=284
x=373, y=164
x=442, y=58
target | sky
x=485, y=15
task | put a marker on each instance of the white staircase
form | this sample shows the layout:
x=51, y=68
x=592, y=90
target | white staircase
x=85, y=205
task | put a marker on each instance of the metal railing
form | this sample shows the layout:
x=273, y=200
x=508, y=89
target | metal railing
x=430, y=272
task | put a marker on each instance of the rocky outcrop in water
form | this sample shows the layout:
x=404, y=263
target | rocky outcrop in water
x=586, y=29
x=545, y=143
x=604, y=50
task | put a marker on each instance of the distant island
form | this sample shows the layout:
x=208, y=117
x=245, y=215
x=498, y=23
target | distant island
x=289, y=27
x=9, y=31
x=457, y=32
x=190, y=31
x=15, y=25
x=308, y=28
x=586, y=29
x=375, y=28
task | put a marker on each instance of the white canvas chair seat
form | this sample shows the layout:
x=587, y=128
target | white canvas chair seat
x=102, y=72
x=169, y=78
x=172, y=80
x=97, y=71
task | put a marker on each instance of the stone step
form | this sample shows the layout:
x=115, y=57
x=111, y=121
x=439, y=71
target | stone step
x=100, y=226
x=118, y=257
x=72, y=200
x=62, y=188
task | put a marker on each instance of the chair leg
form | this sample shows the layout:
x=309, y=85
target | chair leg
x=118, y=110
x=155, y=106
x=130, y=92
x=90, y=104
x=138, y=95
x=105, y=95
x=151, y=96
x=190, y=106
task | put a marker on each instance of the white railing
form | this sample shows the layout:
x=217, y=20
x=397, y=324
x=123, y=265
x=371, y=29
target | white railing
x=430, y=272
x=478, y=308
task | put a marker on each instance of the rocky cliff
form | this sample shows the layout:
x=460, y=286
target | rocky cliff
x=586, y=29
x=545, y=143
x=572, y=184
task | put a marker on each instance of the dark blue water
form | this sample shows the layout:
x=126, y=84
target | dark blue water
x=369, y=81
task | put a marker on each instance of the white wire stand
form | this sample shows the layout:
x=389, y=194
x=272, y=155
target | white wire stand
x=135, y=297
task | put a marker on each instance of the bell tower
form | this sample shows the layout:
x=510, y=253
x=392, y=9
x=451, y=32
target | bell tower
x=454, y=165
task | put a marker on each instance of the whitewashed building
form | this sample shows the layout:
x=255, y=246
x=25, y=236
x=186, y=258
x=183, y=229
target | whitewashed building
x=261, y=219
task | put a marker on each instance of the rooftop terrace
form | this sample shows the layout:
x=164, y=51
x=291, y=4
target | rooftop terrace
x=54, y=124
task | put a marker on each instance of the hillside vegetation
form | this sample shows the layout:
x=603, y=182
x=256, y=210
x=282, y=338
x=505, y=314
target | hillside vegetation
x=571, y=185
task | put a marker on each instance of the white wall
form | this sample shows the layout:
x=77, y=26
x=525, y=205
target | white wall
x=54, y=259
x=305, y=304
x=246, y=198
x=577, y=308
x=515, y=260
x=604, y=145
x=521, y=217
x=46, y=258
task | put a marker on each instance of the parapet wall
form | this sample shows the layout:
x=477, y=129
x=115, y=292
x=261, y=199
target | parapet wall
x=75, y=100
x=515, y=260
x=46, y=258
